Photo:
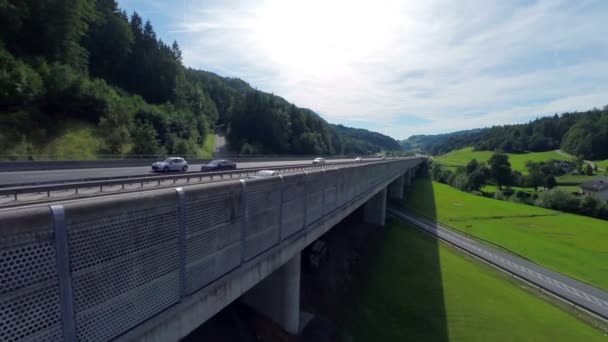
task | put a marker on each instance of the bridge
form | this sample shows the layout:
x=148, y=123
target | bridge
x=155, y=265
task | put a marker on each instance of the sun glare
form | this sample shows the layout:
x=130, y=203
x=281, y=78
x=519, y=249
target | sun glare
x=320, y=37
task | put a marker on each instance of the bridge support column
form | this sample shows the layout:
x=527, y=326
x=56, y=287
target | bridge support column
x=278, y=296
x=395, y=189
x=374, y=210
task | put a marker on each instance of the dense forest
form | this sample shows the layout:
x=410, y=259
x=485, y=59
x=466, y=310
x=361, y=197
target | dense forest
x=87, y=61
x=581, y=134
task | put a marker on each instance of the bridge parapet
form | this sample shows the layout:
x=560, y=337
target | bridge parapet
x=97, y=268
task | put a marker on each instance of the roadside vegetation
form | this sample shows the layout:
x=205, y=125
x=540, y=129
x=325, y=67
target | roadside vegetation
x=570, y=244
x=417, y=289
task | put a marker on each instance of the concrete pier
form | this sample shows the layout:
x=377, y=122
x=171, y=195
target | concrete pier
x=374, y=210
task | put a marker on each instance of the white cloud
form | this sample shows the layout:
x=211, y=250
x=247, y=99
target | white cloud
x=456, y=64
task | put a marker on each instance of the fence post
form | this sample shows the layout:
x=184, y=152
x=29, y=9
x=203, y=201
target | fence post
x=323, y=187
x=244, y=218
x=62, y=255
x=305, y=199
x=281, y=208
x=181, y=241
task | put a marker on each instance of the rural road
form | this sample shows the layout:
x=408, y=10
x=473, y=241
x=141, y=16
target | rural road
x=585, y=296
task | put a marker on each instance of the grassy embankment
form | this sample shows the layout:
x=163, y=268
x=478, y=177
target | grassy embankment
x=416, y=289
x=571, y=244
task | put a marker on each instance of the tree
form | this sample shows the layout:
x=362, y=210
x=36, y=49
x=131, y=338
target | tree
x=590, y=206
x=471, y=166
x=550, y=182
x=588, y=170
x=500, y=169
x=144, y=140
x=477, y=179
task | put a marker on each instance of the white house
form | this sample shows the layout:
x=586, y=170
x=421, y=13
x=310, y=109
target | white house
x=597, y=187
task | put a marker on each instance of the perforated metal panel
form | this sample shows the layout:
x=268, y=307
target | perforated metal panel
x=213, y=240
x=263, y=206
x=314, y=198
x=29, y=289
x=294, y=198
x=124, y=264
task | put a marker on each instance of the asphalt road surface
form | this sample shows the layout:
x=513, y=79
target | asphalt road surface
x=24, y=177
x=583, y=295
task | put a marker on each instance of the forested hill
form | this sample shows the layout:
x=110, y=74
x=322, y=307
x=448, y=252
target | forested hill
x=425, y=143
x=86, y=63
x=581, y=134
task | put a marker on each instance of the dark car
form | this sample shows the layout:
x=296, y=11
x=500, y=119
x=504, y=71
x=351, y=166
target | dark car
x=219, y=165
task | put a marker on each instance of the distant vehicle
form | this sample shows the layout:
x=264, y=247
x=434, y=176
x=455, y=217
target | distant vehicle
x=170, y=164
x=383, y=157
x=358, y=159
x=319, y=161
x=219, y=165
x=265, y=174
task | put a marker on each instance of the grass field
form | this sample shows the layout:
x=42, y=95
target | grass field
x=206, y=151
x=571, y=244
x=416, y=289
x=602, y=164
x=518, y=161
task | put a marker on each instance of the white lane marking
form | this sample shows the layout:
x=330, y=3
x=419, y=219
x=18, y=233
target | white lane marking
x=438, y=230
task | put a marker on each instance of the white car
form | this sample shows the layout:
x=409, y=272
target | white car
x=358, y=159
x=170, y=164
x=265, y=174
x=319, y=161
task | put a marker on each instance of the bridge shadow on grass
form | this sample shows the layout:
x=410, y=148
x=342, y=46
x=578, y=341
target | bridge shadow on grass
x=400, y=292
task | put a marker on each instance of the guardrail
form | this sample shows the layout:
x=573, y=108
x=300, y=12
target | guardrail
x=123, y=182
x=34, y=165
x=93, y=270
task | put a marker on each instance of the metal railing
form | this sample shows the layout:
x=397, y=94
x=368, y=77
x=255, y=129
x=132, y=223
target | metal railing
x=13, y=195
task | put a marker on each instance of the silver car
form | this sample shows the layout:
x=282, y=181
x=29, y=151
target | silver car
x=170, y=164
x=265, y=174
x=319, y=161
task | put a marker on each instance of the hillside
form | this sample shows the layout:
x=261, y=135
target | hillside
x=566, y=243
x=425, y=143
x=580, y=134
x=87, y=64
x=462, y=156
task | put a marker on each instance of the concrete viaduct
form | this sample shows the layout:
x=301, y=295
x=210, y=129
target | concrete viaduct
x=153, y=266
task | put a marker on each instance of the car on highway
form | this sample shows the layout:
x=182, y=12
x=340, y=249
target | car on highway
x=265, y=174
x=218, y=165
x=358, y=159
x=170, y=164
x=319, y=160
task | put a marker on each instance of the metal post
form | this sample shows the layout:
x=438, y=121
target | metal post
x=323, y=186
x=305, y=199
x=181, y=240
x=244, y=217
x=281, y=208
x=62, y=255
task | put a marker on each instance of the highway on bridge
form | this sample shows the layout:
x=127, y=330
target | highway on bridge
x=583, y=296
x=26, y=177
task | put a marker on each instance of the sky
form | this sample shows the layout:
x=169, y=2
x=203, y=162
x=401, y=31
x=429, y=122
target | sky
x=401, y=67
